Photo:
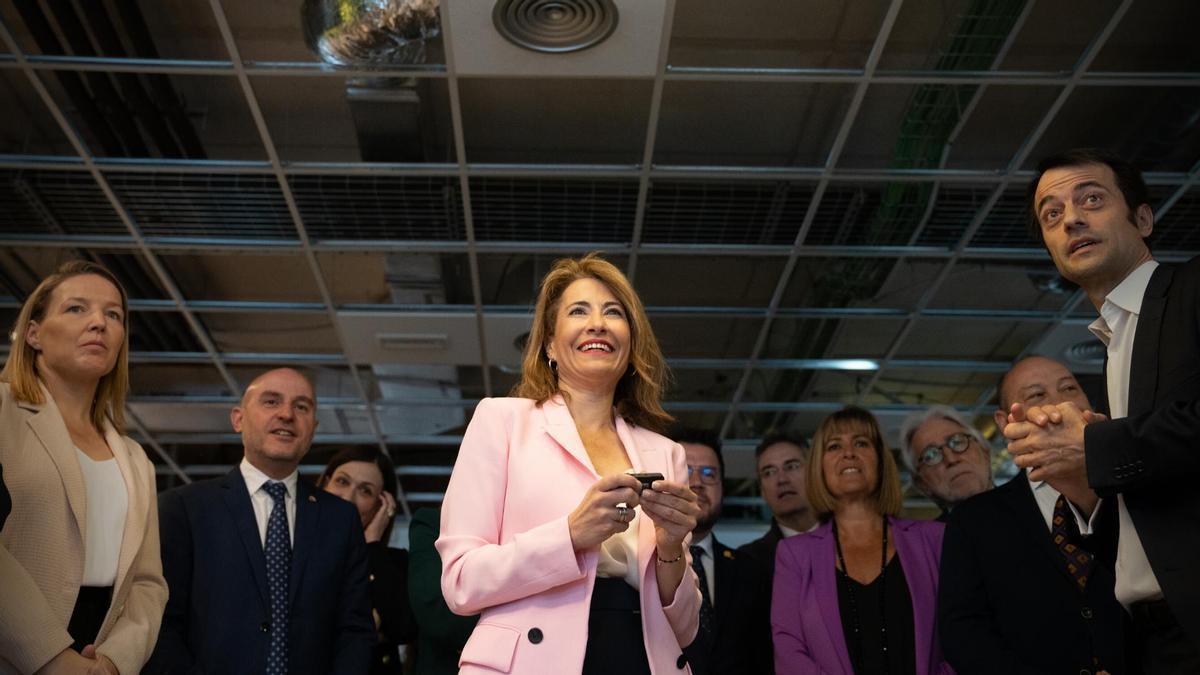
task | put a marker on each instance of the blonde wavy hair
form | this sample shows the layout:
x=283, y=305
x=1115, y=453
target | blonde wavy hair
x=20, y=369
x=638, y=397
x=853, y=420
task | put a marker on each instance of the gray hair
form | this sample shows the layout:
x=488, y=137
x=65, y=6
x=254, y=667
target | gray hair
x=917, y=419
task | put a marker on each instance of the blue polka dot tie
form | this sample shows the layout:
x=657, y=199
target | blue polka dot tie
x=278, y=550
x=706, y=608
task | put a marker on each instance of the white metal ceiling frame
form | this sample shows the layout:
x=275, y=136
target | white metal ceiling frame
x=646, y=170
x=835, y=151
x=310, y=255
x=1015, y=164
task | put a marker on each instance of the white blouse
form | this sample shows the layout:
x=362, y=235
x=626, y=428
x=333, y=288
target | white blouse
x=104, y=526
x=618, y=554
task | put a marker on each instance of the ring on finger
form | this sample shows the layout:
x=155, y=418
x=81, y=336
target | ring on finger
x=621, y=511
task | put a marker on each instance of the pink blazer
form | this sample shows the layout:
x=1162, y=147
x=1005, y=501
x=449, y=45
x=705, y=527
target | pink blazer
x=506, y=549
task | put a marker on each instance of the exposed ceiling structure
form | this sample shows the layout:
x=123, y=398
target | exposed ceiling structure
x=820, y=202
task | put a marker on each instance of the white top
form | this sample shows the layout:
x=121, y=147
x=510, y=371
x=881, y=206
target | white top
x=262, y=502
x=1116, y=328
x=707, y=561
x=1046, y=497
x=789, y=532
x=618, y=554
x=104, y=520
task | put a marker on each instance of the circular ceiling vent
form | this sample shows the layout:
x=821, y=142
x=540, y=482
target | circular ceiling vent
x=555, y=26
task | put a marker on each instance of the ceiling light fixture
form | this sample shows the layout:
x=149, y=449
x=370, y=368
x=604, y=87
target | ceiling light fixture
x=555, y=26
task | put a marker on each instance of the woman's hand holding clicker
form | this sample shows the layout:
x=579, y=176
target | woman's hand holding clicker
x=597, y=517
x=673, y=508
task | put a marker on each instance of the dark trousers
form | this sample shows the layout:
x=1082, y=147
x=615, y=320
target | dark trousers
x=90, y=609
x=615, y=643
x=1162, y=646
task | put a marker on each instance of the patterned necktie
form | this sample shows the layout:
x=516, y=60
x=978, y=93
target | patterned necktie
x=278, y=550
x=706, y=608
x=1066, y=533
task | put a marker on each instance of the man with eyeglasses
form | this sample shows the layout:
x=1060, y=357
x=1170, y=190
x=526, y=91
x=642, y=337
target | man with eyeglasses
x=782, y=459
x=947, y=458
x=1026, y=583
x=712, y=560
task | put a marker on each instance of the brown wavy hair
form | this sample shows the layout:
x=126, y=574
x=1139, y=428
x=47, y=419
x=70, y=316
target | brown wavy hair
x=887, y=493
x=639, y=393
x=20, y=369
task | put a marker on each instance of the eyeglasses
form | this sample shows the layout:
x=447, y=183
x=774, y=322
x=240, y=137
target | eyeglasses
x=708, y=474
x=934, y=454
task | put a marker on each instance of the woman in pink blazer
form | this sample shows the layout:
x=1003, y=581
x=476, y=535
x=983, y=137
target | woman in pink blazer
x=857, y=595
x=574, y=567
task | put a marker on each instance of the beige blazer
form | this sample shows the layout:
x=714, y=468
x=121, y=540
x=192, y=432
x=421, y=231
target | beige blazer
x=41, y=546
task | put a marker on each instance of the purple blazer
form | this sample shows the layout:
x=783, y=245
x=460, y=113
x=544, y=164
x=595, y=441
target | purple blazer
x=805, y=621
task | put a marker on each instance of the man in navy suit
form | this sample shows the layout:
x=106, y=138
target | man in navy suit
x=714, y=560
x=266, y=574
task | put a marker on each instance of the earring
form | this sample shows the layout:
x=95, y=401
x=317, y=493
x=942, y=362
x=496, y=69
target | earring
x=553, y=364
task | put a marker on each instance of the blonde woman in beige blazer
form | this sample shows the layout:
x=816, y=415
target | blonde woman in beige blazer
x=82, y=590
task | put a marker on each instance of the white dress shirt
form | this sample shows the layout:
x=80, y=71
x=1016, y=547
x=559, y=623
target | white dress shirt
x=107, y=505
x=1116, y=328
x=618, y=554
x=1046, y=497
x=710, y=571
x=262, y=502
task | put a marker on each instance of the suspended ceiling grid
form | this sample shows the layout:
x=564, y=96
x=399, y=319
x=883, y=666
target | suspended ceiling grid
x=799, y=184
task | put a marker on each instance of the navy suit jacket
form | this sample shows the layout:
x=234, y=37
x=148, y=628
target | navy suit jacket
x=217, y=618
x=1006, y=604
x=701, y=653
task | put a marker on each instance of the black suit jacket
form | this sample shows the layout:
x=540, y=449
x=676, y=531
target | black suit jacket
x=441, y=634
x=217, y=618
x=1152, y=456
x=700, y=654
x=746, y=645
x=1006, y=605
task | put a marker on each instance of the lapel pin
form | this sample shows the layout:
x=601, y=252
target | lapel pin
x=312, y=498
x=728, y=553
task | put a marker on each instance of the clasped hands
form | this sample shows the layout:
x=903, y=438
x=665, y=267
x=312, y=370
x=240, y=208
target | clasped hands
x=1048, y=440
x=670, y=505
x=87, y=662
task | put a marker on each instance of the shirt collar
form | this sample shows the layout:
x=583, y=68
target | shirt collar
x=1129, y=293
x=1034, y=484
x=706, y=544
x=1126, y=297
x=255, y=478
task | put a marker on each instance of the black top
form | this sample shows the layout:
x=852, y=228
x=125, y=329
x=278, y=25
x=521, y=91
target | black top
x=865, y=603
x=5, y=500
x=389, y=599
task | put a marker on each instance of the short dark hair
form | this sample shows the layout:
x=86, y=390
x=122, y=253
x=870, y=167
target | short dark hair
x=683, y=434
x=1129, y=180
x=781, y=436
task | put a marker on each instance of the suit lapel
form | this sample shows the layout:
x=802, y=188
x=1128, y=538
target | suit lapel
x=139, y=505
x=561, y=428
x=241, y=512
x=825, y=582
x=47, y=424
x=307, y=519
x=1143, y=367
x=1018, y=497
x=920, y=590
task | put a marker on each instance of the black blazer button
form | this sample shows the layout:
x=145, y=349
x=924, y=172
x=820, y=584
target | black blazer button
x=265, y=626
x=535, y=635
x=1086, y=612
x=681, y=662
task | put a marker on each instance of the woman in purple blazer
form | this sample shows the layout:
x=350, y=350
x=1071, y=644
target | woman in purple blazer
x=857, y=595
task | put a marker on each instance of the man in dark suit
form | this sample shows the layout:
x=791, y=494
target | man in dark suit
x=1092, y=211
x=266, y=574
x=1009, y=600
x=782, y=459
x=712, y=560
